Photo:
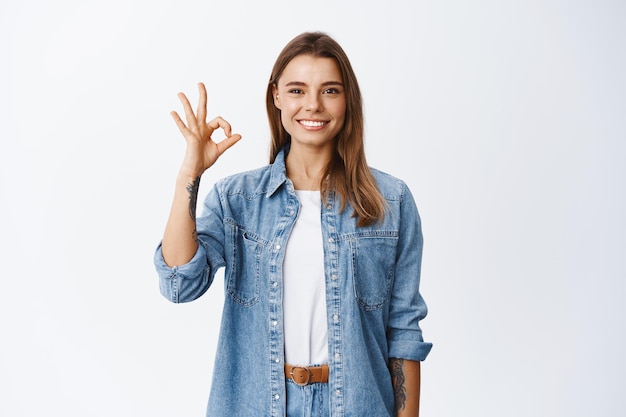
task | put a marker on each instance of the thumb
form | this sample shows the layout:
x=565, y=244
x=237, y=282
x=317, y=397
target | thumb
x=228, y=142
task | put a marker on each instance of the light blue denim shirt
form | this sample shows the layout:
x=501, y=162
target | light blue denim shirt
x=372, y=293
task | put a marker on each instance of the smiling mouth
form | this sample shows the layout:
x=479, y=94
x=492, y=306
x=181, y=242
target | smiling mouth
x=312, y=123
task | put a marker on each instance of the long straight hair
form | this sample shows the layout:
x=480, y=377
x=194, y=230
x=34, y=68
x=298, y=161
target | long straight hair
x=347, y=173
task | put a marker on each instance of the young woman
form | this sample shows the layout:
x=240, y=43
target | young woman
x=322, y=254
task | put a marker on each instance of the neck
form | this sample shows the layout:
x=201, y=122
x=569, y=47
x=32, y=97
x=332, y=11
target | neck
x=305, y=167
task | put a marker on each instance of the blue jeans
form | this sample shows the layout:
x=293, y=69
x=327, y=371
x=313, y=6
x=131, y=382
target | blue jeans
x=307, y=401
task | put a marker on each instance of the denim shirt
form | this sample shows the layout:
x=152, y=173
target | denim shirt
x=372, y=292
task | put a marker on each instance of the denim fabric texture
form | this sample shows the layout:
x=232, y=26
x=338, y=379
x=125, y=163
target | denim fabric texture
x=372, y=293
x=307, y=401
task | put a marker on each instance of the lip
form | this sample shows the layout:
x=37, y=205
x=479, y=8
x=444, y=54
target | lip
x=313, y=124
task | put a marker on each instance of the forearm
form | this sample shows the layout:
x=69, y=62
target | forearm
x=180, y=240
x=405, y=377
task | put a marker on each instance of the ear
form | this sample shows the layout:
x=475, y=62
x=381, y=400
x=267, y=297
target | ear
x=276, y=97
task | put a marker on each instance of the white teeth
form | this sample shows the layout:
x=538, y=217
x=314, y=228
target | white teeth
x=311, y=123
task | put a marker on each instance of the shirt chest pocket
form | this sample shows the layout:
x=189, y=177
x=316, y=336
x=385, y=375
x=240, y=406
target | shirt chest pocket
x=244, y=273
x=373, y=264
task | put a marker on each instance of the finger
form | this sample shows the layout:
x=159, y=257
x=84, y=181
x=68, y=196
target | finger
x=228, y=142
x=181, y=125
x=201, y=112
x=189, y=115
x=217, y=123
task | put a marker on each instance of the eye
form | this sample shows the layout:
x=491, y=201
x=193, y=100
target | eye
x=295, y=91
x=331, y=91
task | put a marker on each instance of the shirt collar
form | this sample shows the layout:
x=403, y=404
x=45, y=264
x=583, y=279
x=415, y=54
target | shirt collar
x=278, y=171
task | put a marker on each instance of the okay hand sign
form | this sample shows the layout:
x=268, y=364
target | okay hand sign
x=202, y=151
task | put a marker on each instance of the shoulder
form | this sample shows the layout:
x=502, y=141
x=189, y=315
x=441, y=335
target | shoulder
x=390, y=187
x=252, y=182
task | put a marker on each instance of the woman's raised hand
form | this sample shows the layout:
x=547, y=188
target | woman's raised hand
x=202, y=151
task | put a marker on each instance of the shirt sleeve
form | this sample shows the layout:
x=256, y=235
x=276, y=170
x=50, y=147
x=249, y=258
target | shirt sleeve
x=187, y=282
x=407, y=307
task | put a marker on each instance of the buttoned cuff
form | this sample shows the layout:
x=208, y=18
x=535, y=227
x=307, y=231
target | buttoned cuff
x=187, y=270
x=186, y=282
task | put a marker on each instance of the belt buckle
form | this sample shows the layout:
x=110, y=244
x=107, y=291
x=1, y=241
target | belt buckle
x=308, y=377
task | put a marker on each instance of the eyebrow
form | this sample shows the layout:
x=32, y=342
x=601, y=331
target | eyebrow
x=302, y=84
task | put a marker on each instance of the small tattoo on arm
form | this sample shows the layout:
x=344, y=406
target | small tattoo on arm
x=397, y=380
x=192, y=189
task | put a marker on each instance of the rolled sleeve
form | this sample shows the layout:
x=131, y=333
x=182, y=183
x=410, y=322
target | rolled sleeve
x=187, y=282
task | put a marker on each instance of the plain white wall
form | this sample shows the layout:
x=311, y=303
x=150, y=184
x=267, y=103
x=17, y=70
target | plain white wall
x=506, y=118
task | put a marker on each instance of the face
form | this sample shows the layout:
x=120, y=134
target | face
x=310, y=95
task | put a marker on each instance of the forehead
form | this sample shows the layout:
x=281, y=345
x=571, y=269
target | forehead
x=311, y=69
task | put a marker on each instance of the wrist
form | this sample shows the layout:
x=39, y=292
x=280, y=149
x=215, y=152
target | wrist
x=186, y=178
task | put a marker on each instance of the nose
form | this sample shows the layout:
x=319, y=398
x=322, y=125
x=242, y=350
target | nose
x=313, y=103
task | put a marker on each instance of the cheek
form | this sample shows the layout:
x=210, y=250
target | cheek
x=339, y=108
x=285, y=120
x=340, y=112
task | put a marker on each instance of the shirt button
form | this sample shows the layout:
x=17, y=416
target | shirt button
x=338, y=392
x=277, y=247
x=277, y=397
x=277, y=360
x=275, y=284
x=328, y=206
x=337, y=355
x=334, y=277
x=331, y=240
x=291, y=213
x=275, y=322
x=336, y=317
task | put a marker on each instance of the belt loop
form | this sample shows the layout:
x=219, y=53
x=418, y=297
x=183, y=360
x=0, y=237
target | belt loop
x=324, y=372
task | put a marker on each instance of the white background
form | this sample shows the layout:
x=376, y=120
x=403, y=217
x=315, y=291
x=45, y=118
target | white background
x=506, y=119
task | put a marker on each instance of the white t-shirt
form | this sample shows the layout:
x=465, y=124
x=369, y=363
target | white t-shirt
x=304, y=284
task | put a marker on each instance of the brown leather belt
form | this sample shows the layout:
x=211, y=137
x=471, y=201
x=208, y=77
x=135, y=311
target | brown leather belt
x=305, y=375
